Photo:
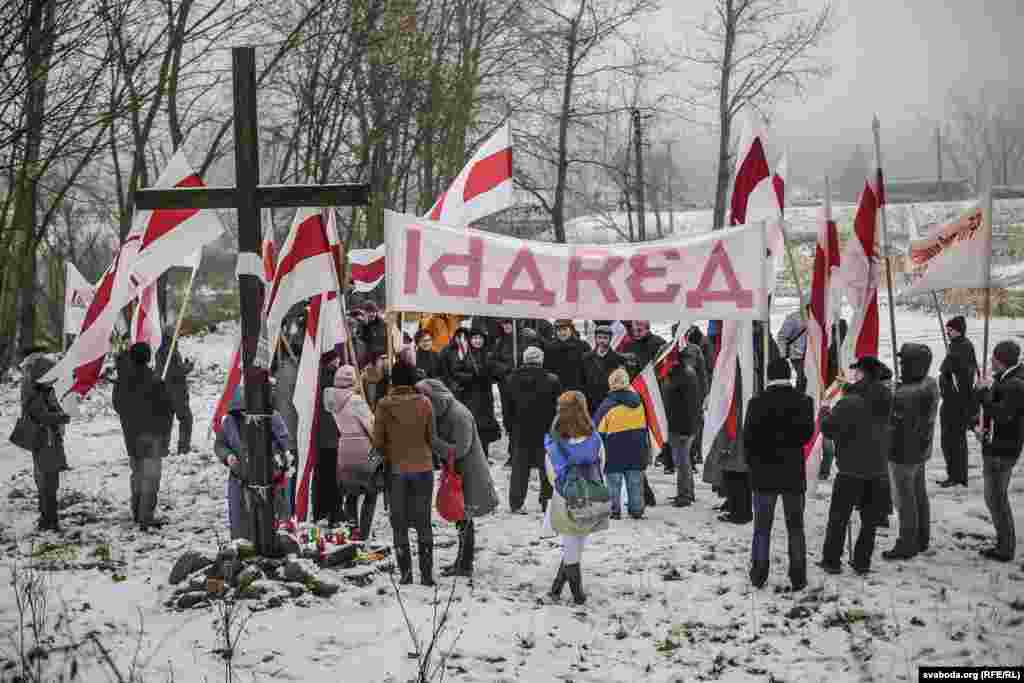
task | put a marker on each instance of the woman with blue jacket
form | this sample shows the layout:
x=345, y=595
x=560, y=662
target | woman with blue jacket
x=622, y=423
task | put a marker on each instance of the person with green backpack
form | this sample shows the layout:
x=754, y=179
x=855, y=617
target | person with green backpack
x=579, y=504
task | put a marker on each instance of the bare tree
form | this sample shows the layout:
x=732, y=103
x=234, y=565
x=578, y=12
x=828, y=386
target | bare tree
x=984, y=134
x=755, y=53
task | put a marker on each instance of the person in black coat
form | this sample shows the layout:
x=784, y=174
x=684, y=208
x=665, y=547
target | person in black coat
x=428, y=362
x=642, y=348
x=176, y=380
x=778, y=424
x=39, y=405
x=859, y=426
x=683, y=397
x=373, y=332
x=503, y=362
x=1002, y=404
x=956, y=384
x=598, y=366
x=141, y=400
x=915, y=406
x=532, y=403
x=451, y=356
x=473, y=374
x=326, y=494
x=564, y=356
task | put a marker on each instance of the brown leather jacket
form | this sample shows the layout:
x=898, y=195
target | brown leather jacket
x=403, y=430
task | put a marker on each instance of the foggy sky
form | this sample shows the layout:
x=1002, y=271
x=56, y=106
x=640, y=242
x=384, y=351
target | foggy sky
x=896, y=58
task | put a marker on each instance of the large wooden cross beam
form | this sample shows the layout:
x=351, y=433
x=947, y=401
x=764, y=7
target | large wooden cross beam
x=248, y=197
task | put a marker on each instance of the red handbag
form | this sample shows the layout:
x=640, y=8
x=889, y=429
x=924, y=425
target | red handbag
x=451, y=500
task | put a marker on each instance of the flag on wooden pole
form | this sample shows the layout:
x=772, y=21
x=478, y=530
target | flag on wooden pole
x=78, y=295
x=860, y=274
x=483, y=187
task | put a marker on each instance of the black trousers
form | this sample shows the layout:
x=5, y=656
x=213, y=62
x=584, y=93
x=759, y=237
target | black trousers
x=871, y=496
x=47, y=484
x=183, y=412
x=362, y=516
x=467, y=544
x=524, y=460
x=410, y=507
x=953, y=439
x=739, y=502
x=326, y=495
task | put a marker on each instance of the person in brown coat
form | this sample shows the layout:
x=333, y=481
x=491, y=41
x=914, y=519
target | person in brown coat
x=403, y=432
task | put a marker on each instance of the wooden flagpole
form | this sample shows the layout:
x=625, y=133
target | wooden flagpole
x=880, y=179
x=912, y=232
x=942, y=325
x=988, y=281
x=181, y=318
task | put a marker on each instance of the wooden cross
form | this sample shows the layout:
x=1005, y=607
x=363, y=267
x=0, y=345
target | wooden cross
x=248, y=197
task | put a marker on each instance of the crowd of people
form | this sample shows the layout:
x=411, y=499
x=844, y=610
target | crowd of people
x=570, y=412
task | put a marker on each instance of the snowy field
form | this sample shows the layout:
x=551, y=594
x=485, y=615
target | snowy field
x=669, y=598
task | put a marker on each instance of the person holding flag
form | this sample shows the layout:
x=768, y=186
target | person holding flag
x=176, y=380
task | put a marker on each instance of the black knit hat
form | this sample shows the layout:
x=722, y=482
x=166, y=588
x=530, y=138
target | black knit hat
x=606, y=330
x=403, y=375
x=1007, y=352
x=868, y=364
x=779, y=369
x=958, y=323
x=140, y=353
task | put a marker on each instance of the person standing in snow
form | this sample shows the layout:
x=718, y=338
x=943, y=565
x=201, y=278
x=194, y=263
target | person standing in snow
x=39, y=405
x=598, y=366
x=683, y=398
x=622, y=423
x=326, y=496
x=564, y=356
x=403, y=431
x=142, y=403
x=956, y=384
x=231, y=449
x=503, y=361
x=532, y=396
x=859, y=426
x=354, y=422
x=176, y=381
x=571, y=445
x=642, y=348
x=428, y=361
x=792, y=342
x=778, y=424
x=1002, y=404
x=452, y=356
x=455, y=434
x=915, y=406
x=474, y=375
x=286, y=375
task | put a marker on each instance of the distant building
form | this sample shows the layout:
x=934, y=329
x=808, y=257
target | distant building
x=916, y=190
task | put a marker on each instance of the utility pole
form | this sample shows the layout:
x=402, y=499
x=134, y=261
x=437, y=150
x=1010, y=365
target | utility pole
x=669, y=182
x=638, y=140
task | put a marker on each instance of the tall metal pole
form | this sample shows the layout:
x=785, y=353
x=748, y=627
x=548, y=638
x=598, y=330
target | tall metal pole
x=880, y=179
x=641, y=208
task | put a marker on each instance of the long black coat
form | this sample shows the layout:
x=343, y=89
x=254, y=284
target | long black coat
x=42, y=408
x=429, y=363
x=532, y=398
x=915, y=407
x=778, y=424
x=640, y=352
x=683, y=400
x=1003, y=404
x=565, y=360
x=596, y=371
x=474, y=378
x=859, y=426
x=141, y=400
x=956, y=382
x=374, y=335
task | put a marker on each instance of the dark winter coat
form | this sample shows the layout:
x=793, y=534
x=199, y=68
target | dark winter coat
x=454, y=427
x=39, y=404
x=640, y=352
x=915, y=407
x=532, y=397
x=429, y=363
x=503, y=356
x=693, y=356
x=374, y=335
x=859, y=427
x=596, y=371
x=1003, y=405
x=956, y=382
x=141, y=400
x=473, y=376
x=177, y=373
x=622, y=423
x=565, y=360
x=327, y=427
x=449, y=358
x=778, y=424
x=683, y=400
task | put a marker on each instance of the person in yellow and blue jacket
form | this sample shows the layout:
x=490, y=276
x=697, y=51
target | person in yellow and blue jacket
x=622, y=424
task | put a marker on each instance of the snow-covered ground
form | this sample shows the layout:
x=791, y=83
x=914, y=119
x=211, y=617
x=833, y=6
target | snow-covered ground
x=669, y=598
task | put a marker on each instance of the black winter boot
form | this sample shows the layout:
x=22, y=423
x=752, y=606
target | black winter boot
x=559, y=583
x=426, y=564
x=798, y=577
x=404, y=558
x=758, y=573
x=572, y=572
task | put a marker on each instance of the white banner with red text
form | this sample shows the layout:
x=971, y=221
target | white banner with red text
x=434, y=267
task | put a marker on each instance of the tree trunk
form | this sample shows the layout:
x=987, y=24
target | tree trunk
x=724, y=118
x=558, y=206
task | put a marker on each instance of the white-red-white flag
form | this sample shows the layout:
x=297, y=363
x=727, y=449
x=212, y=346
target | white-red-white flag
x=483, y=187
x=169, y=237
x=366, y=268
x=305, y=268
x=146, y=324
x=323, y=332
x=958, y=255
x=859, y=273
x=78, y=294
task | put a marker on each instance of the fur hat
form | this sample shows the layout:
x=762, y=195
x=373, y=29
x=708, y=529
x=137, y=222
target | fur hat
x=140, y=353
x=1007, y=352
x=564, y=322
x=345, y=377
x=618, y=380
x=533, y=356
x=779, y=369
x=958, y=323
